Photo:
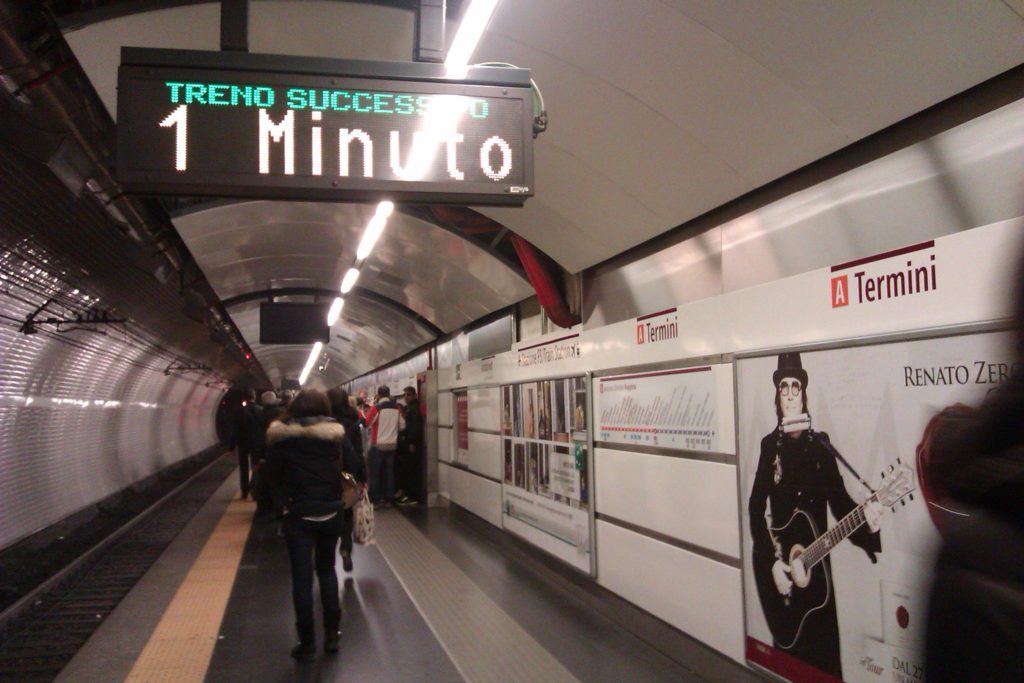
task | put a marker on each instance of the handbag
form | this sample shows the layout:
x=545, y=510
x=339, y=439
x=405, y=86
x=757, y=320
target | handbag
x=349, y=490
x=362, y=523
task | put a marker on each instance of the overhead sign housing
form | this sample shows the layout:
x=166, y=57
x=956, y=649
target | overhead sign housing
x=231, y=124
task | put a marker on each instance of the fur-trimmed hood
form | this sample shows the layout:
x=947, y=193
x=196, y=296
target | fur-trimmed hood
x=321, y=429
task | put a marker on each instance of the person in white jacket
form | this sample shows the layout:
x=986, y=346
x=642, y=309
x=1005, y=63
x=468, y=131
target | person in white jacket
x=384, y=421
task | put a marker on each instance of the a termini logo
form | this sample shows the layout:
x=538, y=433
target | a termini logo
x=914, y=273
x=657, y=327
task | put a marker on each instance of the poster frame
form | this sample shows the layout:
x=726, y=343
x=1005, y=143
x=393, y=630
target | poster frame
x=588, y=378
x=591, y=471
x=679, y=364
x=945, y=332
x=691, y=362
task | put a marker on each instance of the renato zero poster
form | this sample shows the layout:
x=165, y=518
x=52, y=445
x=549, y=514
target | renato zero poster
x=828, y=440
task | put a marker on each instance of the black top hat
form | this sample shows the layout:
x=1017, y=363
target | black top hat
x=790, y=366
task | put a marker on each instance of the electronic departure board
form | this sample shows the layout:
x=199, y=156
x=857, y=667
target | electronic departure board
x=231, y=124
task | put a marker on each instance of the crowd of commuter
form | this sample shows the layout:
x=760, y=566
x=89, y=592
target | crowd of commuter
x=292, y=454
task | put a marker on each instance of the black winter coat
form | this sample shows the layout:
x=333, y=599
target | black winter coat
x=413, y=422
x=976, y=613
x=354, y=433
x=304, y=460
x=352, y=458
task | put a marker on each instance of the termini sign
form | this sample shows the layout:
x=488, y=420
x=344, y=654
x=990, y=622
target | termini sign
x=238, y=124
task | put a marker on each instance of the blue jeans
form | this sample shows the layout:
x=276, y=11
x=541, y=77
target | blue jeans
x=382, y=474
x=305, y=540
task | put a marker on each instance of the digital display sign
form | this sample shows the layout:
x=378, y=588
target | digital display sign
x=293, y=323
x=231, y=124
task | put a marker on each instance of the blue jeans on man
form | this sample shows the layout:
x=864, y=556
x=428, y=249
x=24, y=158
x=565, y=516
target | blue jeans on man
x=382, y=474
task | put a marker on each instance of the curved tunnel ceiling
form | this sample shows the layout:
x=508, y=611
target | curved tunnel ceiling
x=659, y=111
x=259, y=246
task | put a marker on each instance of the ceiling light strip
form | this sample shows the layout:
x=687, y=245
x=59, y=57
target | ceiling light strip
x=471, y=29
x=313, y=355
x=335, y=312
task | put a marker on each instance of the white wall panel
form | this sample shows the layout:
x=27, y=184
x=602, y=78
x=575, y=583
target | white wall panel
x=444, y=481
x=444, y=444
x=690, y=500
x=748, y=319
x=485, y=454
x=476, y=494
x=700, y=597
x=445, y=376
x=485, y=409
x=444, y=408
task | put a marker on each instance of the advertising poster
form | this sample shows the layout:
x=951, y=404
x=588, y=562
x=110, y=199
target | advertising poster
x=830, y=440
x=506, y=411
x=462, y=427
x=545, y=493
x=668, y=408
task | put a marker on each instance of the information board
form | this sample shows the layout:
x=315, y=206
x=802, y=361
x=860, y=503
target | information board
x=669, y=409
x=237, y=124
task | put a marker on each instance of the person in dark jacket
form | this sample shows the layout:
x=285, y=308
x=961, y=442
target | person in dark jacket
x=345, y=413
x=262, y=492
x=304, y=460
x=245, y=437
x=409, y=465
x=975, y=629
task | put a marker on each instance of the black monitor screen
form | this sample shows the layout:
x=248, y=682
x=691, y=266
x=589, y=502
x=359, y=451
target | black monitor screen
x=293, y=323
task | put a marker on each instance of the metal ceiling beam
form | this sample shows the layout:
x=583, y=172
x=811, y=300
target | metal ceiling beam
x=234, y=25
x=75, y=14
x=429, y=38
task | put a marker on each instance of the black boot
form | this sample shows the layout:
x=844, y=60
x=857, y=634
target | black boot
x=332, y=624
x=306, y=649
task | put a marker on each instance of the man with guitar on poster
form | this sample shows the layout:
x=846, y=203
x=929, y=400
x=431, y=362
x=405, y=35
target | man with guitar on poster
x=797, y=479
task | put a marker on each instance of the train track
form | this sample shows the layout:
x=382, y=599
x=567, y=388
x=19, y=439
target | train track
x=43, y=631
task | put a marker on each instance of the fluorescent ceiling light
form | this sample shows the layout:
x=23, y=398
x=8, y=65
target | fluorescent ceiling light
x=373, y=231
x=332, y=315
x=313, y=355
x=350, y=280
x=471, y=28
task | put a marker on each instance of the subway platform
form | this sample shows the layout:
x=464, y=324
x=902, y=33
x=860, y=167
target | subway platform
x=442, y=596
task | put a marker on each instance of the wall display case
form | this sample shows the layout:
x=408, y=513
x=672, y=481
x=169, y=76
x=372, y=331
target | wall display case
x=546, y=468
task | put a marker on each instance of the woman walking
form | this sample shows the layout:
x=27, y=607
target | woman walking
x=304, y=451
x=353, y=461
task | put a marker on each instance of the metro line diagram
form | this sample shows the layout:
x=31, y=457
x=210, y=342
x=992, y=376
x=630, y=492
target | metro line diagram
x=674, y=409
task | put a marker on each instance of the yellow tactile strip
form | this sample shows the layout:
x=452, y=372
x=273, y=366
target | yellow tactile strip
x=484, y=642
x=180, y=648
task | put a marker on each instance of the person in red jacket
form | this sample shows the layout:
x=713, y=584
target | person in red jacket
x=385, y=421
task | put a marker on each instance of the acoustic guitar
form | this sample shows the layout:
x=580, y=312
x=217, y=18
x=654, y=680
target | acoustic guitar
x=812, y=589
